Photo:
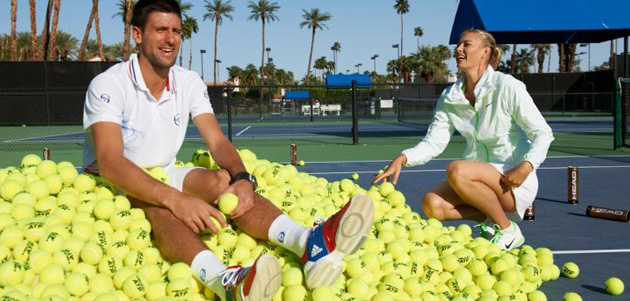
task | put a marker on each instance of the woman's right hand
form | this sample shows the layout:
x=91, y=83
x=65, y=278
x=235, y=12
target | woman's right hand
x=393, y=170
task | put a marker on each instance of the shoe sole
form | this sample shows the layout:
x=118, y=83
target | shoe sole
x=353, y=230
x=268, y=279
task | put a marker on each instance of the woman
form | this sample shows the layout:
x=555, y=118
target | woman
x=506, y=140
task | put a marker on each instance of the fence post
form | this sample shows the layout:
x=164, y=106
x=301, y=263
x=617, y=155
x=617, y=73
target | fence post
x=311, y=103
x=229, y=112
x=355, y=117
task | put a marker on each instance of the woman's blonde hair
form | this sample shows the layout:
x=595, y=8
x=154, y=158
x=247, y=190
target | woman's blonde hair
x=488, y=40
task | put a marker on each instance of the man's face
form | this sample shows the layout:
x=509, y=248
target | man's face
x=159, y=41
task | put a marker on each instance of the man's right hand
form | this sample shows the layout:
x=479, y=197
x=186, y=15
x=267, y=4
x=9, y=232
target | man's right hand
x=393, y=170
x=195, y=213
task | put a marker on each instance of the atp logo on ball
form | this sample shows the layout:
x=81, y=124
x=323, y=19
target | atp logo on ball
x=177, y=119
x=105, y=98
x=281, y=236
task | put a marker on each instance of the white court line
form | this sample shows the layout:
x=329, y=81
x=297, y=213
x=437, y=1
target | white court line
x=245, y=129
x=591, y=251
x=449, y=159
x=443, y=169
x=30, y=139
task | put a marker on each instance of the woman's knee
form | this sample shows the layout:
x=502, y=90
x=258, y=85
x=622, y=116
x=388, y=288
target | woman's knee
x=433, y=206
x=457, y=172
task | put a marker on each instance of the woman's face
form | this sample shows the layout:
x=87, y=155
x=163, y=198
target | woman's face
x=471, y=53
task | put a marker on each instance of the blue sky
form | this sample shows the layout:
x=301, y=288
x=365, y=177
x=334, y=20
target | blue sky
x=363, y=27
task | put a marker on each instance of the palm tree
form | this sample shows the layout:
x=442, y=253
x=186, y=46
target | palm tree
x=184, y=8
x=65, y=47
x=234, y=72
x=336, y=48
x=320, y=64
x=13, y=32
x=125, y=7
x=264, y=11
x=35, y=53
x=52, y=53
x=45, y=42
x=402, y=7
x=524, y=60
x=418, y=33
x=542, y=50
x=430, y=61
x=513, y=59
x=189, y=26
x=86, y=35
x=216, y=11
x=313, y=20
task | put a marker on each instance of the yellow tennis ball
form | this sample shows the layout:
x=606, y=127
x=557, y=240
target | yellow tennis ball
x=30, y=160
x=46, y=167
x=151, y=272
x=227, y=203
x=121, y=275
x=179, y=270
x=101, y=283
x=156, y=290
x=103, y=209
x=91, y=253
x=135, y=259
x=301, y=163
x=614, y=286
x=109, y=265
x=77, y=283
x=292, y=276
x=11, y=236
x=10, y=188
x=66, y=258
x=11, y=273
x=570, y=270
x=138, y=239
x=39, y=189
x=22, y=211
x=54, y=183
x=227, y=238
x=323, y=293
x=179, y=289
x=294, y=292
x=87, y=269
x=135, y=286
x=396, y=198
x=56, y=292
x=571, y=296
x=52, y=274
x=386, y=188
x=537, y=296
x=68, y=175
x=84, y=182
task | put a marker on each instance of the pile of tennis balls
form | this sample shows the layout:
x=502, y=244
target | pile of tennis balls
x=69, y=236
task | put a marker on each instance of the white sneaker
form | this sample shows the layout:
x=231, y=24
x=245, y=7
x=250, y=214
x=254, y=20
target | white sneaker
x=261, y=281
x=331, y=241
x=486, y=229
x=508, y=238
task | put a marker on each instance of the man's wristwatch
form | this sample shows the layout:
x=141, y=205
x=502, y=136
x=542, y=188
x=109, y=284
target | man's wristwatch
x=245, y=176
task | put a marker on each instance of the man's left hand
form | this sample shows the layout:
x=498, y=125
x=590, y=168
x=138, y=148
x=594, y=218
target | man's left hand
x=516, y=176
x=245, y=192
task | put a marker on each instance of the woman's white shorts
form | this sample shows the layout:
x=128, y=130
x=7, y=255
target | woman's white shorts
x=524, y=195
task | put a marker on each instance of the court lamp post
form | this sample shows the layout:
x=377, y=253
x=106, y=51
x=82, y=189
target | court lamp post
x=218, y=70
x=578, y=55
x=201, y=52
x=268, y=50
x=589, y=53
x=358, y=68
x=398, y=55
x=374, y=59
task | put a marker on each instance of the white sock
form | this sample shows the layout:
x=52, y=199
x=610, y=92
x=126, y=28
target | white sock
x=289, y=234
x=207, y=268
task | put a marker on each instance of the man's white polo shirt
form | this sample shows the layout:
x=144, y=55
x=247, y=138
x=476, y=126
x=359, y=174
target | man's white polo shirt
x=153, y=131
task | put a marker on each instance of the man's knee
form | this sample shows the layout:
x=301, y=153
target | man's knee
x=433, y=206
x=456, y=172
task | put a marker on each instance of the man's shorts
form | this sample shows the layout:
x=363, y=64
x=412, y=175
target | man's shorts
x=176, y=175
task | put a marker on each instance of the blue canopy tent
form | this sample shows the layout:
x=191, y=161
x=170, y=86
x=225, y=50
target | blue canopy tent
x=544, y=21
x=297, y=95
x=344, y=81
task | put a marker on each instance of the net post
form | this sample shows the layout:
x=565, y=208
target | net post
x=355, y=118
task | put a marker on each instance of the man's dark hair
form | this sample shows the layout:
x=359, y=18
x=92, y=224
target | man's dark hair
x=143, y=8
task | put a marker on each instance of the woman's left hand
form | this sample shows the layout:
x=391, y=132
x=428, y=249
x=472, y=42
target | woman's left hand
x=516, y=176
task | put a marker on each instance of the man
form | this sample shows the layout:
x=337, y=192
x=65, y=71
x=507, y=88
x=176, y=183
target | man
x=136, y=114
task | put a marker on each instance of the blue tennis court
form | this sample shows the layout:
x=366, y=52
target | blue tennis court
x=600, y=247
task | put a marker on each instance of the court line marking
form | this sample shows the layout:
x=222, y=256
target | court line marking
x=457, y=158
x=444, y=169
x=245, y=129
x=35, y=139
x=601, y=251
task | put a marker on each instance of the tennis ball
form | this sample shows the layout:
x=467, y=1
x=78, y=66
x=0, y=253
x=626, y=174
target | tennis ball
x=614, y=286
x=65, y=258
x=39, y=189
x=570, y=270
x=68, y=175
x=22, y=211
x=386, y=188
x=52, y=274
x=227, y=203
x=91, y=253
x=156, y=290
x=292, y=276
x=84, y=182
x=103, y=209
x=537, y=296
x=294, y=292
x=134, y=258
x=396, y=198
x=179, y=270
x=9, y=189
x=54, y=183
x=46, y=167
x=77, y=283
x=101, y=283
x=56, y=291
x=227, y=238
x=323, y=293
x=109, y=265
x=135, y=286
x=179, y=289
x=138, y=239
x=571, y=296
x=151, y=272
x=30, y=160
x=11, y=236
x=159, y=174
x=39, y=259
x=301, y=163
x=11, y=273
x=355, y=176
